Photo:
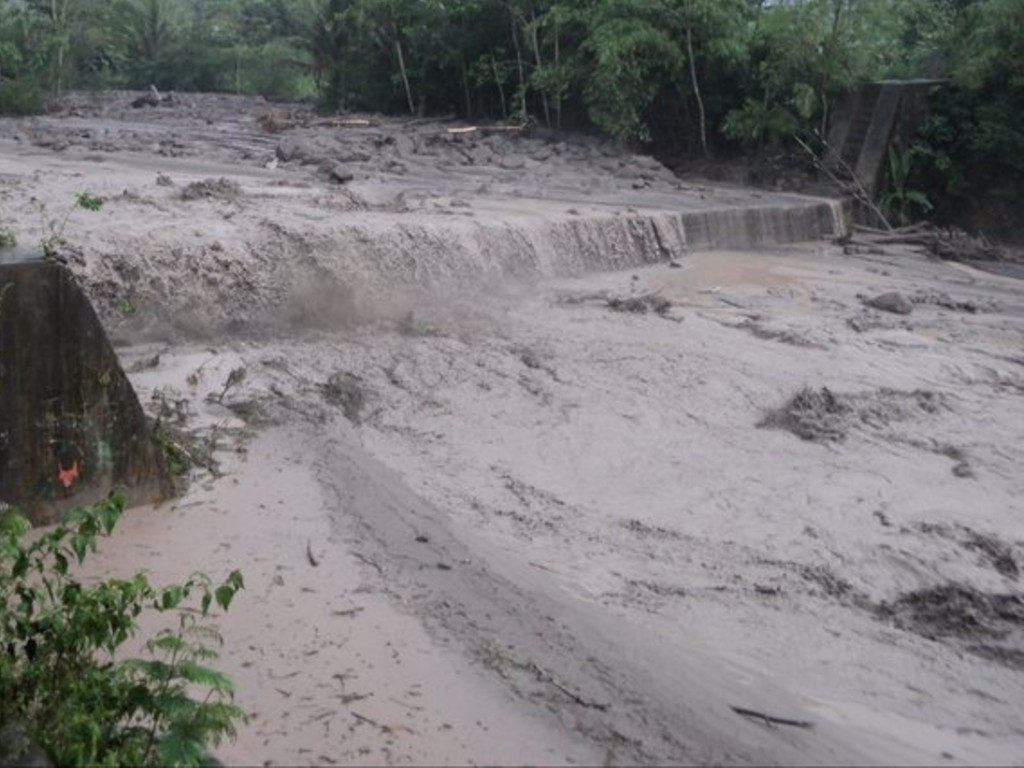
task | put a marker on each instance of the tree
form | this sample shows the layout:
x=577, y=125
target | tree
x=633, y=57
x=973, y=142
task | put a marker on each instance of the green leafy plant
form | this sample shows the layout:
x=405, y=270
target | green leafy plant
x=88, y=201
x=124, y=306
x=7, y=238
x=899, y=200
x=61, y=680
x=53, y=228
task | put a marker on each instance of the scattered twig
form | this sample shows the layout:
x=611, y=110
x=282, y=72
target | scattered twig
x=383, y=728
x=309, y=554
x=546, y=677
x=406, y=704
x=348, y=698
x=272, y=676
x=364, y=559
x=771, y=719
x=365, y=719
x=237, y=376
x=322, y=716
x=349, y=612
x=732, y=302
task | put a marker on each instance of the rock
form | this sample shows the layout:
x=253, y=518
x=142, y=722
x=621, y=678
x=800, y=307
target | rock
x=513, y=163
x=148, y=100
x=894, y=302
x=346, y=391
x=482, y=155
x=291, y=148
x=336, y=172
x=356, y=156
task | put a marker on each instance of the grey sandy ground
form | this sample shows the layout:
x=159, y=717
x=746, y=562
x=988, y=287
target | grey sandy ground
x=547, y=531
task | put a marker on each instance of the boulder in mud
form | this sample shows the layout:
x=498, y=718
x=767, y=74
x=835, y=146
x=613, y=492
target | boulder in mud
x=336, y=172
x=894, y=302
x=296, y=149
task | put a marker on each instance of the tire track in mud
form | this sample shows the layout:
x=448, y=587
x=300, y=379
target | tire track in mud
x=615, y=685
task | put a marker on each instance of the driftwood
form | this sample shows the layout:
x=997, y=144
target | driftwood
x=488, y=129
x=309, y=554
x=546, y=677
x=278, y=120
x=342, y=122
x=947, y=244
x=152, y=99
x=771, y=719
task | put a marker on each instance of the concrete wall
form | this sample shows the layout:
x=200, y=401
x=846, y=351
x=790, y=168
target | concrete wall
x=71, y=426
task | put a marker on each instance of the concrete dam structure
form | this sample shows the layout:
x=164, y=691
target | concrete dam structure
x=71, y=426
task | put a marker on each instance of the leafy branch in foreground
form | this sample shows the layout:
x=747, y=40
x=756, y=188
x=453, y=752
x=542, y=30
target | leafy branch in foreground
x=7, y=237
x=852, y=185
x=60, y=680
x=53, y=228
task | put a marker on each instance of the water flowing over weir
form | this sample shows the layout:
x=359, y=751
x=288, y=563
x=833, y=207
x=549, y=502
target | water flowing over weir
x=526, y=239
x=754, y=227
x=438, y=254
x=434, y=254
x=316, y=270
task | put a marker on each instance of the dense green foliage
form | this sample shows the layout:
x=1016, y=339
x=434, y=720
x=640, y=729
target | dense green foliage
x=61, y=681
x=973, y=144
x=48, y=46
x=687, y=77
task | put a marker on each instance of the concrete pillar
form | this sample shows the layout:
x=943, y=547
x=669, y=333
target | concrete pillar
x=71, y=426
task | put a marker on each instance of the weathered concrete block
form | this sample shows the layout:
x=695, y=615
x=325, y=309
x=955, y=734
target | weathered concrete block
x=71, y=426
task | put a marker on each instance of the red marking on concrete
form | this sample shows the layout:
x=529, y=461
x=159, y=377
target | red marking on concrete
x=67, y=476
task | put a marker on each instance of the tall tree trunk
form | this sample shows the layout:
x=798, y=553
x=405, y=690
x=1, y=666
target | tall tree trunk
x=696, y=91
x=558, y=91
x=837, y=21
x=59, y=17
x=535, y=40
x=465, y=86
x=501, y=88
x=519, y=64
x=405, y=77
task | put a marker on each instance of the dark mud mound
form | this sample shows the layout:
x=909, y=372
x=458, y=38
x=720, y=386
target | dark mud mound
x=985, y=624
x=812, y=415
x=221, y=189
x=640, y=305
x=822, y=415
